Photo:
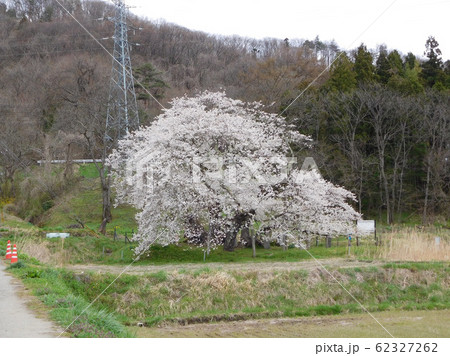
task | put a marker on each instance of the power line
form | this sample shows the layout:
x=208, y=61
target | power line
x=103, y=47
x=122, y=113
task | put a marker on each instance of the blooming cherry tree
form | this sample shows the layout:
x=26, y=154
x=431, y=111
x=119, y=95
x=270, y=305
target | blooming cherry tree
x=219, y=165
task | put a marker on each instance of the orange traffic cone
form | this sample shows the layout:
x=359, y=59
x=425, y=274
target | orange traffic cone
x=14, y=258
x=8, y=250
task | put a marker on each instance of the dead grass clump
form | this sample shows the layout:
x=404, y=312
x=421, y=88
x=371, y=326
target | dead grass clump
x=359, y=277
x=265, y=277
x=314, y=277
x=341, y=277
x=403, y=277
x=37, y=251
x=130, y=297
x=219, y=280
x=415, y=245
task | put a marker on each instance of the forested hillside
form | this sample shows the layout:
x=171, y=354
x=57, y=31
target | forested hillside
x=380, y=119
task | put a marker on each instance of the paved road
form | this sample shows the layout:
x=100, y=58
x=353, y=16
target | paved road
x=16, y=320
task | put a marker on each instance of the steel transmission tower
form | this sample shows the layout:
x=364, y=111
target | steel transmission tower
x=122, y=113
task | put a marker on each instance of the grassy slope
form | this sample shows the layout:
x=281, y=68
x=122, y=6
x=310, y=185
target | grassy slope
x=84, y=201
x=203, y=295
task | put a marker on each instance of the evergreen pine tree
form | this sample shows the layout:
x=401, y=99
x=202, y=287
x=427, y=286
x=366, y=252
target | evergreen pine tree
x=382, y=66
x=342, y=77
x=432, y=69
x=363, y=67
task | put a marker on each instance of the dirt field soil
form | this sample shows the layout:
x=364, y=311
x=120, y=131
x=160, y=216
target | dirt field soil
x=430, y=324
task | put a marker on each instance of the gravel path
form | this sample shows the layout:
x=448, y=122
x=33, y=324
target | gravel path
x=257, y=266
x=16, y=320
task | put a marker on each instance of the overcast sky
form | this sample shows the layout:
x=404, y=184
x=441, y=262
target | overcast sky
x=403, y=24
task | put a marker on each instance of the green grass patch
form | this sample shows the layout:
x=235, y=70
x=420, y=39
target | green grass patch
x=84, y=202
x=419, y=266
x=68, y=305
x=89, y=171
x=184, y=253
x=17, y=265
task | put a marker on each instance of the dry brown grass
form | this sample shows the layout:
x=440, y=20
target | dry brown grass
x=414, y=244
x=38, y=251
x=32, y=244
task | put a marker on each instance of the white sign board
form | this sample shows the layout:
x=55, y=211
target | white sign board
x=365, y=227
x=61, y=235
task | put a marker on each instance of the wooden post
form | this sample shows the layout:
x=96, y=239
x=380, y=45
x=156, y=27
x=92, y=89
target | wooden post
x=252, y=235
x=328, y=241
x=317, y=241
x=357, y=240
x=115, y=233
x=376, y=239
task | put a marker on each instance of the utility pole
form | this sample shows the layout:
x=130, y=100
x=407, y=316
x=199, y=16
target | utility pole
x=122, y=113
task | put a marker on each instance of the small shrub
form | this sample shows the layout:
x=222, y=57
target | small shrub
x=47, y=205
x=42, y=291
x=159, y=277
x=435, y=299
x=17, y=265
x=34, y=273
x=200, y=271
x=328, y=309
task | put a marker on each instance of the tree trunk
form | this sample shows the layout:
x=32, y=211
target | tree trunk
x=361, y=187
x=245, y=237
x=208, y=239
x=386, y=187
x=102, y=228
x=230, y=240
x=427, y=193
x=106, y=197
x=47, y=154
x=239, y=220
x=68, y=168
